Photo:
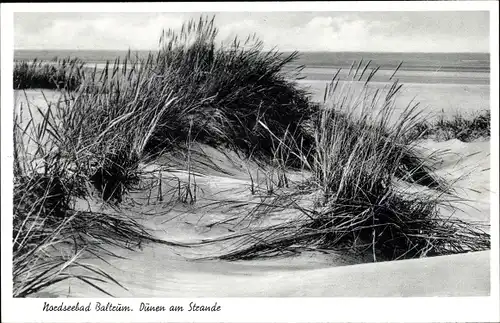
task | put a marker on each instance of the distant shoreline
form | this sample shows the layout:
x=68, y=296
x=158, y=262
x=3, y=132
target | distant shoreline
x=447, y=62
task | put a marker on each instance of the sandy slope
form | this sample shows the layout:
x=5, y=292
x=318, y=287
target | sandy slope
x=467, y=166
x=164, y=271
x=153, y=273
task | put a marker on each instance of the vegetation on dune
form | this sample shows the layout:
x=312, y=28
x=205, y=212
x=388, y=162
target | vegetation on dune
x=221, y=92
x=217, y=95
x=112, y=118
x=228, y=90
x=462, y=127
x=354, y=147
x=60, y=74
x=51, y=235
x=189, y=90
x=359, y=150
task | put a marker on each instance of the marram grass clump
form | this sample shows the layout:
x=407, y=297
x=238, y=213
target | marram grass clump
x=116, y=176
x=61, y=74
x=465, y=128
x=224, y=91
x=351, y=201
x=52, y=236
x=108, y=122
x=51, y=239
x=194, y=87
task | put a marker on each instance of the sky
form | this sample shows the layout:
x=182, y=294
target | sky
x=406, y=31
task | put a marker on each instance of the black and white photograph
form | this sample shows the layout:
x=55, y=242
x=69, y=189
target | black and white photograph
x=229, y=153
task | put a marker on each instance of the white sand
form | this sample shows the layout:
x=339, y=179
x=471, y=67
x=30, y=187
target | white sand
x=153, y=273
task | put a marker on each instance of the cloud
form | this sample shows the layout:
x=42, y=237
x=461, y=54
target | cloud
x=107, y=32
x=361, y=31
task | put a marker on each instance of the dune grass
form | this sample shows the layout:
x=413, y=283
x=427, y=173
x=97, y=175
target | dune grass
x=221, y=96
x=354, y=147
x=463, y=127
x=190, y=90
x=111, y=118
x=52, y=235
x=59, y=74
x=223, y=92
x=351, y=200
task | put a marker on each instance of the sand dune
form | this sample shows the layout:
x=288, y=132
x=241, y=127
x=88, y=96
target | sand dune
x=163, y=271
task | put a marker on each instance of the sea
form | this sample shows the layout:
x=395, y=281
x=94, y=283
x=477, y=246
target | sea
x=446, y=83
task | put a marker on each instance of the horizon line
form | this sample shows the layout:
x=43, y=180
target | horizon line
x=296, y=50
